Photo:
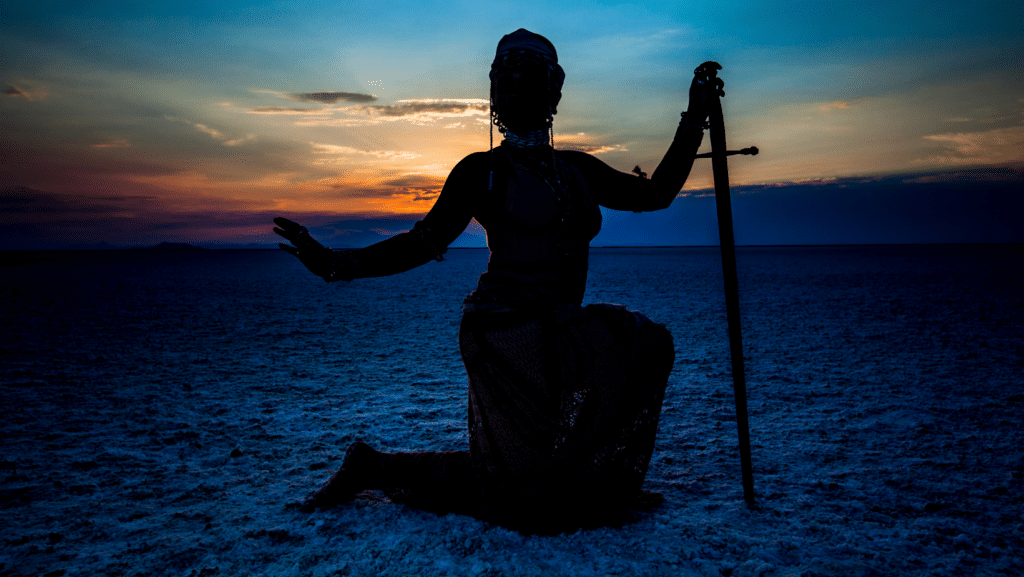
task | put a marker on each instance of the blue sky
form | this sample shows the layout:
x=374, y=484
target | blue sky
x=134, y=123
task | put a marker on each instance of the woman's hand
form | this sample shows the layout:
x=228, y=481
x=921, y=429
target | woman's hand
x=706, y=84
x=314, y=255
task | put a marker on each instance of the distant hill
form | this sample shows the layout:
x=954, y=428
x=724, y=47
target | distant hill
x=175, y=246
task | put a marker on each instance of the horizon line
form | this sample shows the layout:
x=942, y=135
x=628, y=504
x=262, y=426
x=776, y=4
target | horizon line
x=190, y=247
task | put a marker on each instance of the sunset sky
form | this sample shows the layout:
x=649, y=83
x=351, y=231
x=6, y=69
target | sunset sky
x=133, y=123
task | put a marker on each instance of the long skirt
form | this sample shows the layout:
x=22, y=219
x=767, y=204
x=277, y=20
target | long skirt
x=563, y=412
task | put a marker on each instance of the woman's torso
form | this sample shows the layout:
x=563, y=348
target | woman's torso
x=539, y=225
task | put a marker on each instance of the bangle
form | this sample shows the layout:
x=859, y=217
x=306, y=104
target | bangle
x=426, y=238
x=343, y=265
x=688, y=125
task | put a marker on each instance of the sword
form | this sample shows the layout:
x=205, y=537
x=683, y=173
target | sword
x=708, y=73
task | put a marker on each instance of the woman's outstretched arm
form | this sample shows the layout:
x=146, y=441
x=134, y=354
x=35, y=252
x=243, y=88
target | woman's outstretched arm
x=428, y=239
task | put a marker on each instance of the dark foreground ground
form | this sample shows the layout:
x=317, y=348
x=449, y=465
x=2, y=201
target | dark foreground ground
x=157, y=417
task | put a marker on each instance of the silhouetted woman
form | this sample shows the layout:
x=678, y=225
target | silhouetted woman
x=563, y=399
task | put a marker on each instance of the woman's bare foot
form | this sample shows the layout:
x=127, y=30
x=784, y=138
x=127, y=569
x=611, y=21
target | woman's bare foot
x=358, y=472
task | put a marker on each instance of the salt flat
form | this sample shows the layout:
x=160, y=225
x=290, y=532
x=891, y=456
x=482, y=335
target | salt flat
x=159, y=412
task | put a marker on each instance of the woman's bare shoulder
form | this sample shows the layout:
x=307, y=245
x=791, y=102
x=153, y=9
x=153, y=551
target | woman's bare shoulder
x=474, y=162
x=583, y=160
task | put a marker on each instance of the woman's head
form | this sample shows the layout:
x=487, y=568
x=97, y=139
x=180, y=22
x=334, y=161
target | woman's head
x=526, y=81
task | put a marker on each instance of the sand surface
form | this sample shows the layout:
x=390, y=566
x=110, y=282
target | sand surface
x=158, y=415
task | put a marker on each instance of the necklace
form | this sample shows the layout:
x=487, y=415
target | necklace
x=529, y=139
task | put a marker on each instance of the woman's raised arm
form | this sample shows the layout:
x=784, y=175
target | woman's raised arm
x=623, y=191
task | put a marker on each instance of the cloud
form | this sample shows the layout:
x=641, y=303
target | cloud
x=595, y=149
x=25, y=200
x=952, y=206
x=416, y=111
x=213, y=132
x=16, y=92
x=281, y=110
x=963, y=205
x=419, y=186
x=581, y=142
x=385, y=232
x=119, y=143
x=177, y=119
x=990, y=174
x=337, y=122
x=413, y=187
x=332, y=97
x=428, y=108
x=995, y=146
x=618, y=49
x=322, y=97
x=46, y=220
x=837, y=105
x=419, y=111
x=319, y=148
x=237, y=141
x=356, y=230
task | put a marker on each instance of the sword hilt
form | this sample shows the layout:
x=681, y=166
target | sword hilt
x=707, y=73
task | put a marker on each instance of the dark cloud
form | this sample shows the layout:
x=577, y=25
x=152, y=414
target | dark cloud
x=42, y=220
x=37, y=220
x=355, y=231
x=413, y=108
x=963, y=206
x=423, y=188
x=16, y=200
x=420, y=186
x=332, y=97
x=282, y=110
x=415, y=181
x=359, y=232
x=17, y=93
x=54, y=168
x=943, y=207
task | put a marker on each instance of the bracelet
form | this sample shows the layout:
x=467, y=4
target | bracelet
x=426, y=237
x=688, y=125
x=343, y=265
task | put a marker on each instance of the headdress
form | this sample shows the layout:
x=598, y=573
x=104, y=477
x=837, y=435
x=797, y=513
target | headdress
x=525, y=47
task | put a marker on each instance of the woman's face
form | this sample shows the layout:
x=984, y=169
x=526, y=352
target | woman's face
x=521, y=95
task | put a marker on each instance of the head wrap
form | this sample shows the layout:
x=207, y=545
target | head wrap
x=523, y=40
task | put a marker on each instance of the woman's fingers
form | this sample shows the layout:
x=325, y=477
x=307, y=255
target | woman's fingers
x=289, y=249
x=289, y=229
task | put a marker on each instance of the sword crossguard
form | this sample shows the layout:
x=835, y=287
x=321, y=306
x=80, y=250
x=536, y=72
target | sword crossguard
x=751, y=151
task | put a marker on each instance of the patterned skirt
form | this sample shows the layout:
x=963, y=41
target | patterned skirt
x=563, y=412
